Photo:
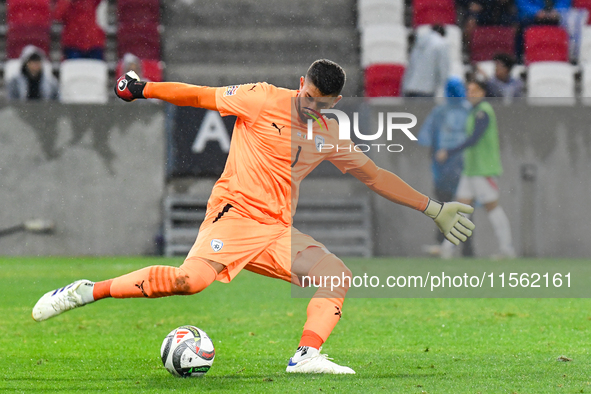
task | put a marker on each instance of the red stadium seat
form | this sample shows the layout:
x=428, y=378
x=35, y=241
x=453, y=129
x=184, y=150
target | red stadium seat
x=546, y=43
x=151, y=70
x=487, y=41
x=586, y=4
x=20, y=36
x=141, y=40
x=138, y=11
x=384, y=80
x=28, y=12
x=433, y=12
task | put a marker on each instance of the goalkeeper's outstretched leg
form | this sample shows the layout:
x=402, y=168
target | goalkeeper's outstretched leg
x=324, y=310
x=151, y=282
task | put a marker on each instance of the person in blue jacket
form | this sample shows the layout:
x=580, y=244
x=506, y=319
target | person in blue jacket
x=536, y=12
x=445, y=128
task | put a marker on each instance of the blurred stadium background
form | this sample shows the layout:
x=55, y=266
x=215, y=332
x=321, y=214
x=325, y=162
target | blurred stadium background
x=120, y=179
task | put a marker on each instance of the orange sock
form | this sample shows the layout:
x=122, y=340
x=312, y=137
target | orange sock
x=324, y=309
x=102, y=289
x=161, y=281
x=311, y=339
x=323, y=316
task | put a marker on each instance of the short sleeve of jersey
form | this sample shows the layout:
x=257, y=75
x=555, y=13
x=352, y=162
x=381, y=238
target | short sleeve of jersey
x=346, y=158
x=243, y=101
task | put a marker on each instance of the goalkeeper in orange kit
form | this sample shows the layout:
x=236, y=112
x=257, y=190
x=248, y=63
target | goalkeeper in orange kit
x=248, y=224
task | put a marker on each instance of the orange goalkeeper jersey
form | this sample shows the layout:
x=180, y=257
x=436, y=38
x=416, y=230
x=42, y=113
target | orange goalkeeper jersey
x=270, y=154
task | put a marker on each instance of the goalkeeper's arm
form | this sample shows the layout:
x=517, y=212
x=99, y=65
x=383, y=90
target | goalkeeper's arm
x=130, y=88
x=447, y=216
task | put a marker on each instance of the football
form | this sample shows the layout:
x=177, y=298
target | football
x=187, y=351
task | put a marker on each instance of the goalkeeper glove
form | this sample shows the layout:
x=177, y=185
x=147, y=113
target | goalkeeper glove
x=448, y=217
x=129, y=87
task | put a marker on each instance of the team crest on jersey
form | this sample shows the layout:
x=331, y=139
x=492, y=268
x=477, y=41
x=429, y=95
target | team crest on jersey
x=319, y=142
x=216, y=245
x=231, y=90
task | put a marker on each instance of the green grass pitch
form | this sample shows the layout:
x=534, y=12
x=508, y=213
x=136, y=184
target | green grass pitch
x=395, y=345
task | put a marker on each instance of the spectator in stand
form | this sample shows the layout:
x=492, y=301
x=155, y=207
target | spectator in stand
x=488, y=13
x=428, y=67
x=537, y=12
x=82, y=37
x=32, y=83
x=131, y=62
x=502, y=84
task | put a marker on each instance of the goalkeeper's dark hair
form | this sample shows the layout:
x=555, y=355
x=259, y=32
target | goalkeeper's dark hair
x=328, y=77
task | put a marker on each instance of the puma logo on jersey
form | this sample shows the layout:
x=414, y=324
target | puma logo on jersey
x=277, y=127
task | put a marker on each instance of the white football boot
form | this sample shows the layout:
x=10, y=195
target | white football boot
x=69, y=297
x=309, y=360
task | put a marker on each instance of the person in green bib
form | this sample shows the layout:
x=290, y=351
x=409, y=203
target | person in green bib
x=482, y=168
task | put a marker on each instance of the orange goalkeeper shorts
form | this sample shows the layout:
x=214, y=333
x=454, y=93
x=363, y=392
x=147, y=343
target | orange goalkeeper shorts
x=238, y=242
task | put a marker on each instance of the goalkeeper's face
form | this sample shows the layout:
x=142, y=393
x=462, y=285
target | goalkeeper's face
x=310, y=100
